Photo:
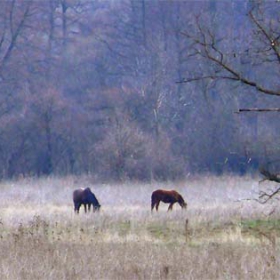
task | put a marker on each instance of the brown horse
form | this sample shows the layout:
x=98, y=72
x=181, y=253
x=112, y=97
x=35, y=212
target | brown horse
x=167, y=197
x=85, y=197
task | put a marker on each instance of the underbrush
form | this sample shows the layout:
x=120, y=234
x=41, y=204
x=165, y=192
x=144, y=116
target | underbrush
x=152, y=250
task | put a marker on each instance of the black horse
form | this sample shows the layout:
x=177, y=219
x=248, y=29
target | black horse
x=87, y=198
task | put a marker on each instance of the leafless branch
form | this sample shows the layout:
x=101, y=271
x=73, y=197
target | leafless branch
x=208, y=48
x=258, y=110
x=270, y=176
x=211, y=77
x=272, y=41
x=15, y=31
x=265, y=196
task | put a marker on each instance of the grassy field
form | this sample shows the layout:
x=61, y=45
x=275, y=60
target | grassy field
x=42, y=238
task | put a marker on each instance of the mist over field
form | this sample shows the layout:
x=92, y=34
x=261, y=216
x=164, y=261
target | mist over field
x=42, y=237
x=54, y=196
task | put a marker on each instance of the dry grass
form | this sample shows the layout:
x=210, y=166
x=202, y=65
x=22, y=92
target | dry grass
x=41, y=238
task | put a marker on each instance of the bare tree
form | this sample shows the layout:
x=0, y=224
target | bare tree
x=15, y=15
x=228, y=59
x=244, y=60
x=265, y=196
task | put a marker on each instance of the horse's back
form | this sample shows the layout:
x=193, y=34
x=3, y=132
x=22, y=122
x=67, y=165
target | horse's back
x=157, y=194
x=78, y=195
x=167, y=196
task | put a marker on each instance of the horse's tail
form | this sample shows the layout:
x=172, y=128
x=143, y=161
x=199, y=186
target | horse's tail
x=155, y=196
x=153, y=200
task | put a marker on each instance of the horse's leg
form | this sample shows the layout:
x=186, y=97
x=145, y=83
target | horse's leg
x=157, y=205
x=76, y=207
x=85, y=206
x=152, y=205
x=170, y=206
x=89, y=207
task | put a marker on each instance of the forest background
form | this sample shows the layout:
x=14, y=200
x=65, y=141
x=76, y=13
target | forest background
x=138, y=90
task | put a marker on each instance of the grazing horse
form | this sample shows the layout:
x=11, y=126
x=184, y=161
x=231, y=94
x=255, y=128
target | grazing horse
x=167, y=197
x=85, y=197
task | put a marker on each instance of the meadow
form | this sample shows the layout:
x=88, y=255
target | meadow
x=219, y=236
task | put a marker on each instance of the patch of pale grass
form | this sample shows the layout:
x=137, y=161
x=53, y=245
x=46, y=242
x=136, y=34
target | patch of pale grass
x=42, y=238
x=39, y=259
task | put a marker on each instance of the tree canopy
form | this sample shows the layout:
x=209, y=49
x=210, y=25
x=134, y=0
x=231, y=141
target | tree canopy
x=138, y=89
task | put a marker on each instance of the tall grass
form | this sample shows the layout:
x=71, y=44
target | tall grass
x=42, y=238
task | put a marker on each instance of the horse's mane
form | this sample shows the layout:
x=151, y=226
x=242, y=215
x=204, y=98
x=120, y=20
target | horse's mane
x=87, y=190
x=181, y=198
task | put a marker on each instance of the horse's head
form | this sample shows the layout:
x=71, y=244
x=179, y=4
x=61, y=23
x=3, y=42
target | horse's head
x=182, y=202
x=97, y=207
x=183, y=205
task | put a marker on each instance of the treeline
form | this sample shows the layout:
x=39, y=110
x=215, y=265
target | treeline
x=96, y=87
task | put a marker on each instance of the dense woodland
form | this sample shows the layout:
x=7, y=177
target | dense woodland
x=141, y=90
